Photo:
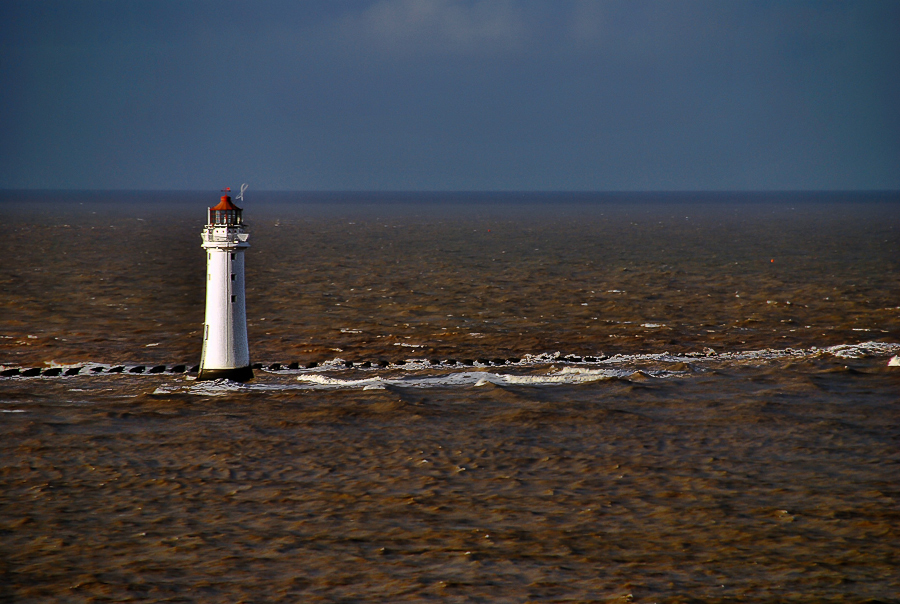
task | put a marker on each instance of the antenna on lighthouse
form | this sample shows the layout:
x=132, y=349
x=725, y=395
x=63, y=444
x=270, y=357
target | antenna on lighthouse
x=243, y=188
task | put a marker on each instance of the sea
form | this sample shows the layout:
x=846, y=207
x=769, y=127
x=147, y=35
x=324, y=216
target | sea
x=458, y=397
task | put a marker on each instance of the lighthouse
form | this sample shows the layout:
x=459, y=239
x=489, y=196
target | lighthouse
x=226, y=353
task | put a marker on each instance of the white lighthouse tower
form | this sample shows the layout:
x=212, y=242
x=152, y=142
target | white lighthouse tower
x=226, y=353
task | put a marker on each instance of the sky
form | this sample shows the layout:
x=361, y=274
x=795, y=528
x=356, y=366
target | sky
x=450, y=95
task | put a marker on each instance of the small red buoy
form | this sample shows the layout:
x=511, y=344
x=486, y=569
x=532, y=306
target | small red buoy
x=773, y=260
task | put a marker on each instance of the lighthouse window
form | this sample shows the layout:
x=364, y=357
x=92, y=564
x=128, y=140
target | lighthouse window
x=234, y=298
x=232, y=276
x=232, y=256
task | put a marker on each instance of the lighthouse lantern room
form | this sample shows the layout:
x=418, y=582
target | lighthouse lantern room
x=226, y=353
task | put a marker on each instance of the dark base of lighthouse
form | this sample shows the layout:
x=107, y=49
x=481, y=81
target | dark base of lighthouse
x=239, y=374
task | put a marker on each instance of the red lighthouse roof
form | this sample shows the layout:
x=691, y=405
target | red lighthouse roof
x=225, y=204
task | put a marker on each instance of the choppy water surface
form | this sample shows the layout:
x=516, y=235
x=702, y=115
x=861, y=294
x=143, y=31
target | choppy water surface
x=617, y=399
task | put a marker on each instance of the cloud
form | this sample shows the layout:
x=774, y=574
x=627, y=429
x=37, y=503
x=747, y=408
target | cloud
x=439, y=25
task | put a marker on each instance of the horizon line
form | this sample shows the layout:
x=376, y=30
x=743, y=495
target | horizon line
x=453, y=191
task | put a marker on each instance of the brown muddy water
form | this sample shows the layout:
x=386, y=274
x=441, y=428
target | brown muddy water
x=641, y=398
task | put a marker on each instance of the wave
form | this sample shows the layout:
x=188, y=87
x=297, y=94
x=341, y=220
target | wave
x=539, y=369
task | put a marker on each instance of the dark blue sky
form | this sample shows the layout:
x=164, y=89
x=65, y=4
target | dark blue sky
x=450, y=95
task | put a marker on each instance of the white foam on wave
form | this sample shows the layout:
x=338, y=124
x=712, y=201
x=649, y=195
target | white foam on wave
x=551, y=377
x=542, y=370
x=218, y=387
x=453, y=379
x=844, y=351
x=325, y=381
x=568, y=375
x=866, y=349
x=460, y=378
